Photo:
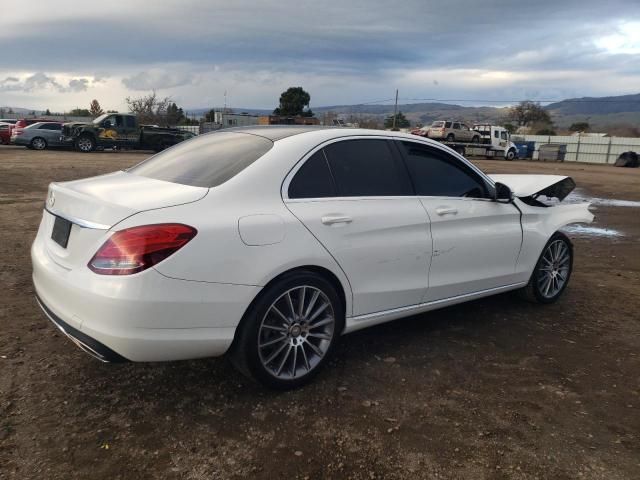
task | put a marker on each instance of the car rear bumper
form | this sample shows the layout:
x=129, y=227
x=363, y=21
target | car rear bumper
x=144, y=317
x=83, y=341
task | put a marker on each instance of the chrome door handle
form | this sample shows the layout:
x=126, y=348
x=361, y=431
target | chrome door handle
x=333, y=219
x=446, y=210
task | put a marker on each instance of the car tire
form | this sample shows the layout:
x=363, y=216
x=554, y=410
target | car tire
x=38, y=143
x=451, y=138
x=85, y=143
x=552, y=272
x=511, y=154
x=290, y=331
x=475, y=139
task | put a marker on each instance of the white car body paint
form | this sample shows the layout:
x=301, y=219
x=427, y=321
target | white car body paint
x=260, y=230
x=391, y=256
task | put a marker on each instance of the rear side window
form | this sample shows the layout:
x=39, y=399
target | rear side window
x=447, y=125
x=205, y=161
x=313, y=180
x=51, y=126
x=436, y=174
x=363, y=168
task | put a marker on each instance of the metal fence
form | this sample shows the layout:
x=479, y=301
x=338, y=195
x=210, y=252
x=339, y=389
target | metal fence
x=584, y=148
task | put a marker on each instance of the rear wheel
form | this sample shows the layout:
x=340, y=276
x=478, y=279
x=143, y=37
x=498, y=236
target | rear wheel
x=552, y=272
x=38, y=143
x=289, y=332
x=451, y=137
x=85, y=143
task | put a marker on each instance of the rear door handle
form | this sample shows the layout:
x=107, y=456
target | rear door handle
x=333, y=219
x=446, y=210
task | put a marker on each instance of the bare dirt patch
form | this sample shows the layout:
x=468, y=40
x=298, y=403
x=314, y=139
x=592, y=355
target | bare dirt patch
x=496, y=388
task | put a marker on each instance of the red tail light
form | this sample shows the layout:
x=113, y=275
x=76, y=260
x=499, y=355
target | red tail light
x=135, y=249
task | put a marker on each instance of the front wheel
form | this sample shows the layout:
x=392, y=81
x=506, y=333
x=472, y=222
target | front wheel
x=85, y=144
x=511, y=154
x=290, y=331
x=552, y=272
x=475, y=139
x=38, y=143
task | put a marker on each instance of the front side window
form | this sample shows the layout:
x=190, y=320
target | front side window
x=205, y=161
x=503, y=135
x=436, y=174
x=456, y=126
x=363, y=168
x=130, y=122
x=313, y=180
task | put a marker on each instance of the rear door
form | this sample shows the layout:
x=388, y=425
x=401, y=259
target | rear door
x=130, y=133
x=51, y=132
x=356, y=198
x=476, y=241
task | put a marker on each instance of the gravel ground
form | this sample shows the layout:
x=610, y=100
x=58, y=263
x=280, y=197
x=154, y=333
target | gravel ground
x=496, y=388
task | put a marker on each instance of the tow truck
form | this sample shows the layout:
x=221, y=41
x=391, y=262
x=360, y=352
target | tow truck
x=494, y=142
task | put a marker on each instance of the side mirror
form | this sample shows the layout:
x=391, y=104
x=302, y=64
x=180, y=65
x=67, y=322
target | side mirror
x=503, y=193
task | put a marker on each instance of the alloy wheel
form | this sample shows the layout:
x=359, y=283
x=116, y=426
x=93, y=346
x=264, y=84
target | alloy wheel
x=296, y=332
x=38, y=144
x=85, y=144
x=554, y=269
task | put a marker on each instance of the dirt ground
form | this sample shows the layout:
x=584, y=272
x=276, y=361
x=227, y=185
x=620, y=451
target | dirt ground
x=496, y=388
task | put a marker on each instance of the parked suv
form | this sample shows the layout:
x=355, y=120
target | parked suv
x=452, y=131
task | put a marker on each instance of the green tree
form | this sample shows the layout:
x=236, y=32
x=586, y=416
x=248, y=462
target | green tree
x=510, y=127
x=580, y=127
x=47, y=112
x=95, y=109
x=401, y=121
x=528, y=112
x=546, y=131
x=293, y=102
x=175, y=114
x=80, y=112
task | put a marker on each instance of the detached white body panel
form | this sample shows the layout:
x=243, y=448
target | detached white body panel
x=389, y=255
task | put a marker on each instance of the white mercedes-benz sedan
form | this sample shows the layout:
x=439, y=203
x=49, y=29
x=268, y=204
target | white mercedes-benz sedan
x=268, y=243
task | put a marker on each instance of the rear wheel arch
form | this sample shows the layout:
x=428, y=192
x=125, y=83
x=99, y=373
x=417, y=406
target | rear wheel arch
x=38, y=143
x=321, y=271
x=244, y=351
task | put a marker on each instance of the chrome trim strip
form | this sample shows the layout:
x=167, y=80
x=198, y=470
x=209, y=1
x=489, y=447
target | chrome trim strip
x=368, y=316
x=79, y=221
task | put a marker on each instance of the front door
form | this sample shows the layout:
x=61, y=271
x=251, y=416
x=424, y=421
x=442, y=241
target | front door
x=476, y=241
x=356, y=198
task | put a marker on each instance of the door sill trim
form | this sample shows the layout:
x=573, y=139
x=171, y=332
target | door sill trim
x=435, y=303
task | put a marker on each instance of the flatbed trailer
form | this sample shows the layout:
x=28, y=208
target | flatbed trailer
x=495, y=142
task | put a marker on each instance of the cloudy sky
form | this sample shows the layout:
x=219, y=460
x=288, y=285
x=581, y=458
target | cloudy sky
x=61, y=54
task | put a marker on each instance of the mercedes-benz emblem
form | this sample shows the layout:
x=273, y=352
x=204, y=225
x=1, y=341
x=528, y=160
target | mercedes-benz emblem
x=52, y=199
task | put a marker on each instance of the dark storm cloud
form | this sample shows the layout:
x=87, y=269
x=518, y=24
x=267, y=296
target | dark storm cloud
x=355, y=35
x=537, y=42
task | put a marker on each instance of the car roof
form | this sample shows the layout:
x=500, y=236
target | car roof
x=278, y=132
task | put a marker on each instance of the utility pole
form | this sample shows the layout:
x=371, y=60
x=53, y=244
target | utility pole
x=395, y=112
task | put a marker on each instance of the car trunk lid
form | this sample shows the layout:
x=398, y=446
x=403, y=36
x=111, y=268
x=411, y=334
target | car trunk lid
x=89, y=208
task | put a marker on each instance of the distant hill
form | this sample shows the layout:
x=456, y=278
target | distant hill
x=596, y=105
x=423, y=113
x=25, y=111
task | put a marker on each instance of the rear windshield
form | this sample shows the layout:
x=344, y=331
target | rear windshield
x=205, y=161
